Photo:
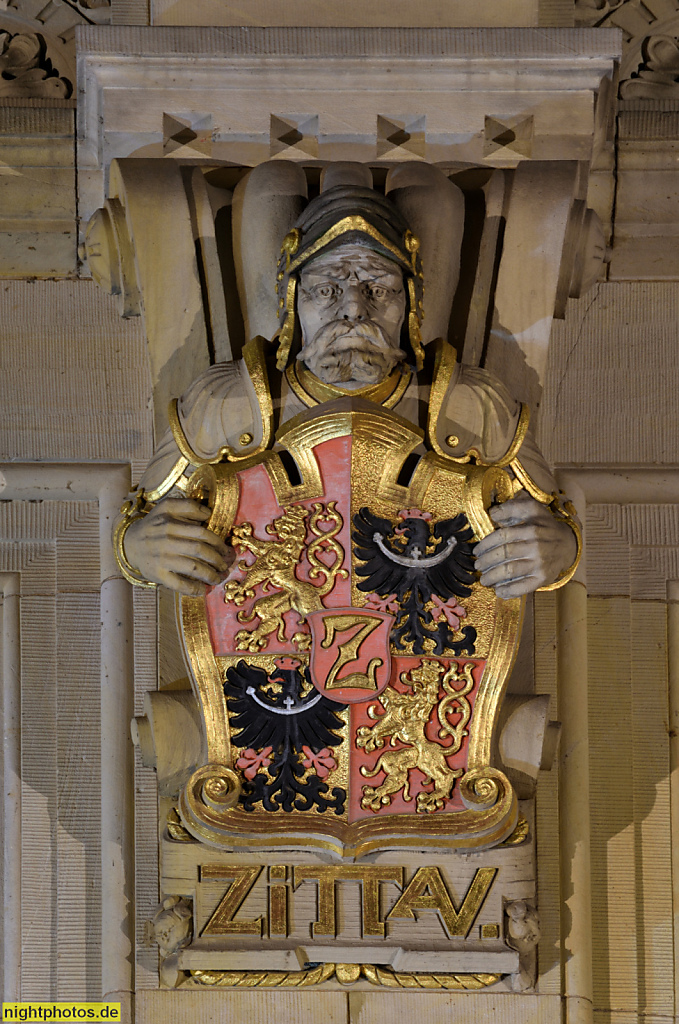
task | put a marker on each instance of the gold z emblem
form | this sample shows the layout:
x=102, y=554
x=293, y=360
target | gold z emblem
x=349, y=650
x=345, y=639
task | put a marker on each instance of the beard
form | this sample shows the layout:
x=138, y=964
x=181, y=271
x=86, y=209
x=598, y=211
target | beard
x=344, y=351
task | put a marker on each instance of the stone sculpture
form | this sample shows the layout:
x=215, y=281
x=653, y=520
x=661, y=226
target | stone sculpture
x=351, y=520
x=172, y=924
x=352, y=282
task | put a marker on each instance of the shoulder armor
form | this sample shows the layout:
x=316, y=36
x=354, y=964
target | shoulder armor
x=226, y=412
x=469, y=409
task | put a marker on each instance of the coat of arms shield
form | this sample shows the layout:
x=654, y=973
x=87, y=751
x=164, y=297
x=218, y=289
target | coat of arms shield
x=351, y=666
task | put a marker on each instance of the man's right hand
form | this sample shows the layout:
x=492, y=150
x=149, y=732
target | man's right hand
x=172, y=546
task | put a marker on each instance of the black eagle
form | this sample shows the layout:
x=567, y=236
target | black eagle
x=416, y=563
x=283, y=712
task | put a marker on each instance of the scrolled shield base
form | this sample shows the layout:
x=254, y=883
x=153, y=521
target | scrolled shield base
x=212, y=790
x=483, y=788
x=208, y=807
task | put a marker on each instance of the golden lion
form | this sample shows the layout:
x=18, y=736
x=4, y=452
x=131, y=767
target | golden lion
x=274, y=567
x=406, y=716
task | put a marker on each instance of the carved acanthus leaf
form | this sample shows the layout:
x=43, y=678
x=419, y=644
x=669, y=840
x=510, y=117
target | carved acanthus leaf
x=650, y=63
x=59, y=11
x=594, y=12
x=26, y=70
x=37, y=45
x=657, y=77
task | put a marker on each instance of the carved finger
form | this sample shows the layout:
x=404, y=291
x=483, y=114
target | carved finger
x=181, y=585
x=195, y=569
x=190, y=534
x=505, y=537
x=181, y=508
x=517, y=588
x=519, y=551
x=508, y=572
x=518, y=511
x=199, y=550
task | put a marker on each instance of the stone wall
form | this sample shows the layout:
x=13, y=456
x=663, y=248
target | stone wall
x=78, y=649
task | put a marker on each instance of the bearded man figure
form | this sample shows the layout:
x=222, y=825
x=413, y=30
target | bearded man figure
x=365, y=292
x=351, y=282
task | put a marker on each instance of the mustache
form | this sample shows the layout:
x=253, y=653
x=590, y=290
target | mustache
x=350, y=350
x=343, y=335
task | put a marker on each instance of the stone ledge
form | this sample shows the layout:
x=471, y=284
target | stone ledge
x=320, y=41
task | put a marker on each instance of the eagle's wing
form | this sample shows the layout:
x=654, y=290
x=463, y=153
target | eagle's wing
x=255, y=726
x=454, y=575
x=258, y=722
x=383, y=574
x=315, y=726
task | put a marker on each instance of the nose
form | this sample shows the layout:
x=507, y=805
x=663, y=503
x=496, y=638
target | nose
x=354, y=305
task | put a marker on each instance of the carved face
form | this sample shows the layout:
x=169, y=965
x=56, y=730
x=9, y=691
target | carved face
x=351, y=304
x=171, y=932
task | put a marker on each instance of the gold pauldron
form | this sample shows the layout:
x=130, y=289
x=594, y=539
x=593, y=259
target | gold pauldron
x=130, y=512
x=255, y=364
x=560, y=508
x=181, y=440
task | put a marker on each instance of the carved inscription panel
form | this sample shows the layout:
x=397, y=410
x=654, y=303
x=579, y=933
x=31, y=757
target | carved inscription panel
x=351, y=902
x=278, y=911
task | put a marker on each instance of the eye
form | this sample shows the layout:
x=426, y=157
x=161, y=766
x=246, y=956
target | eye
x=377, y=291
x=325, y=291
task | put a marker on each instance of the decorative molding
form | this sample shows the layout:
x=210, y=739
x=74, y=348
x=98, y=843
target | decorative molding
x=37, y=46
x=631, y=530
x=346, y=974
x=77, y=780
x=492, y=96
x=498, y=44
x=10, y=843
x=632, y=550
x=650, y=63
x=49, y=575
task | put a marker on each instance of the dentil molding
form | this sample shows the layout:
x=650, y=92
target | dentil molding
x=244, y=95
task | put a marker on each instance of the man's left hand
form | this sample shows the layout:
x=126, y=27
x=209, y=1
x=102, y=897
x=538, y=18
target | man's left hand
x=528, y=549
